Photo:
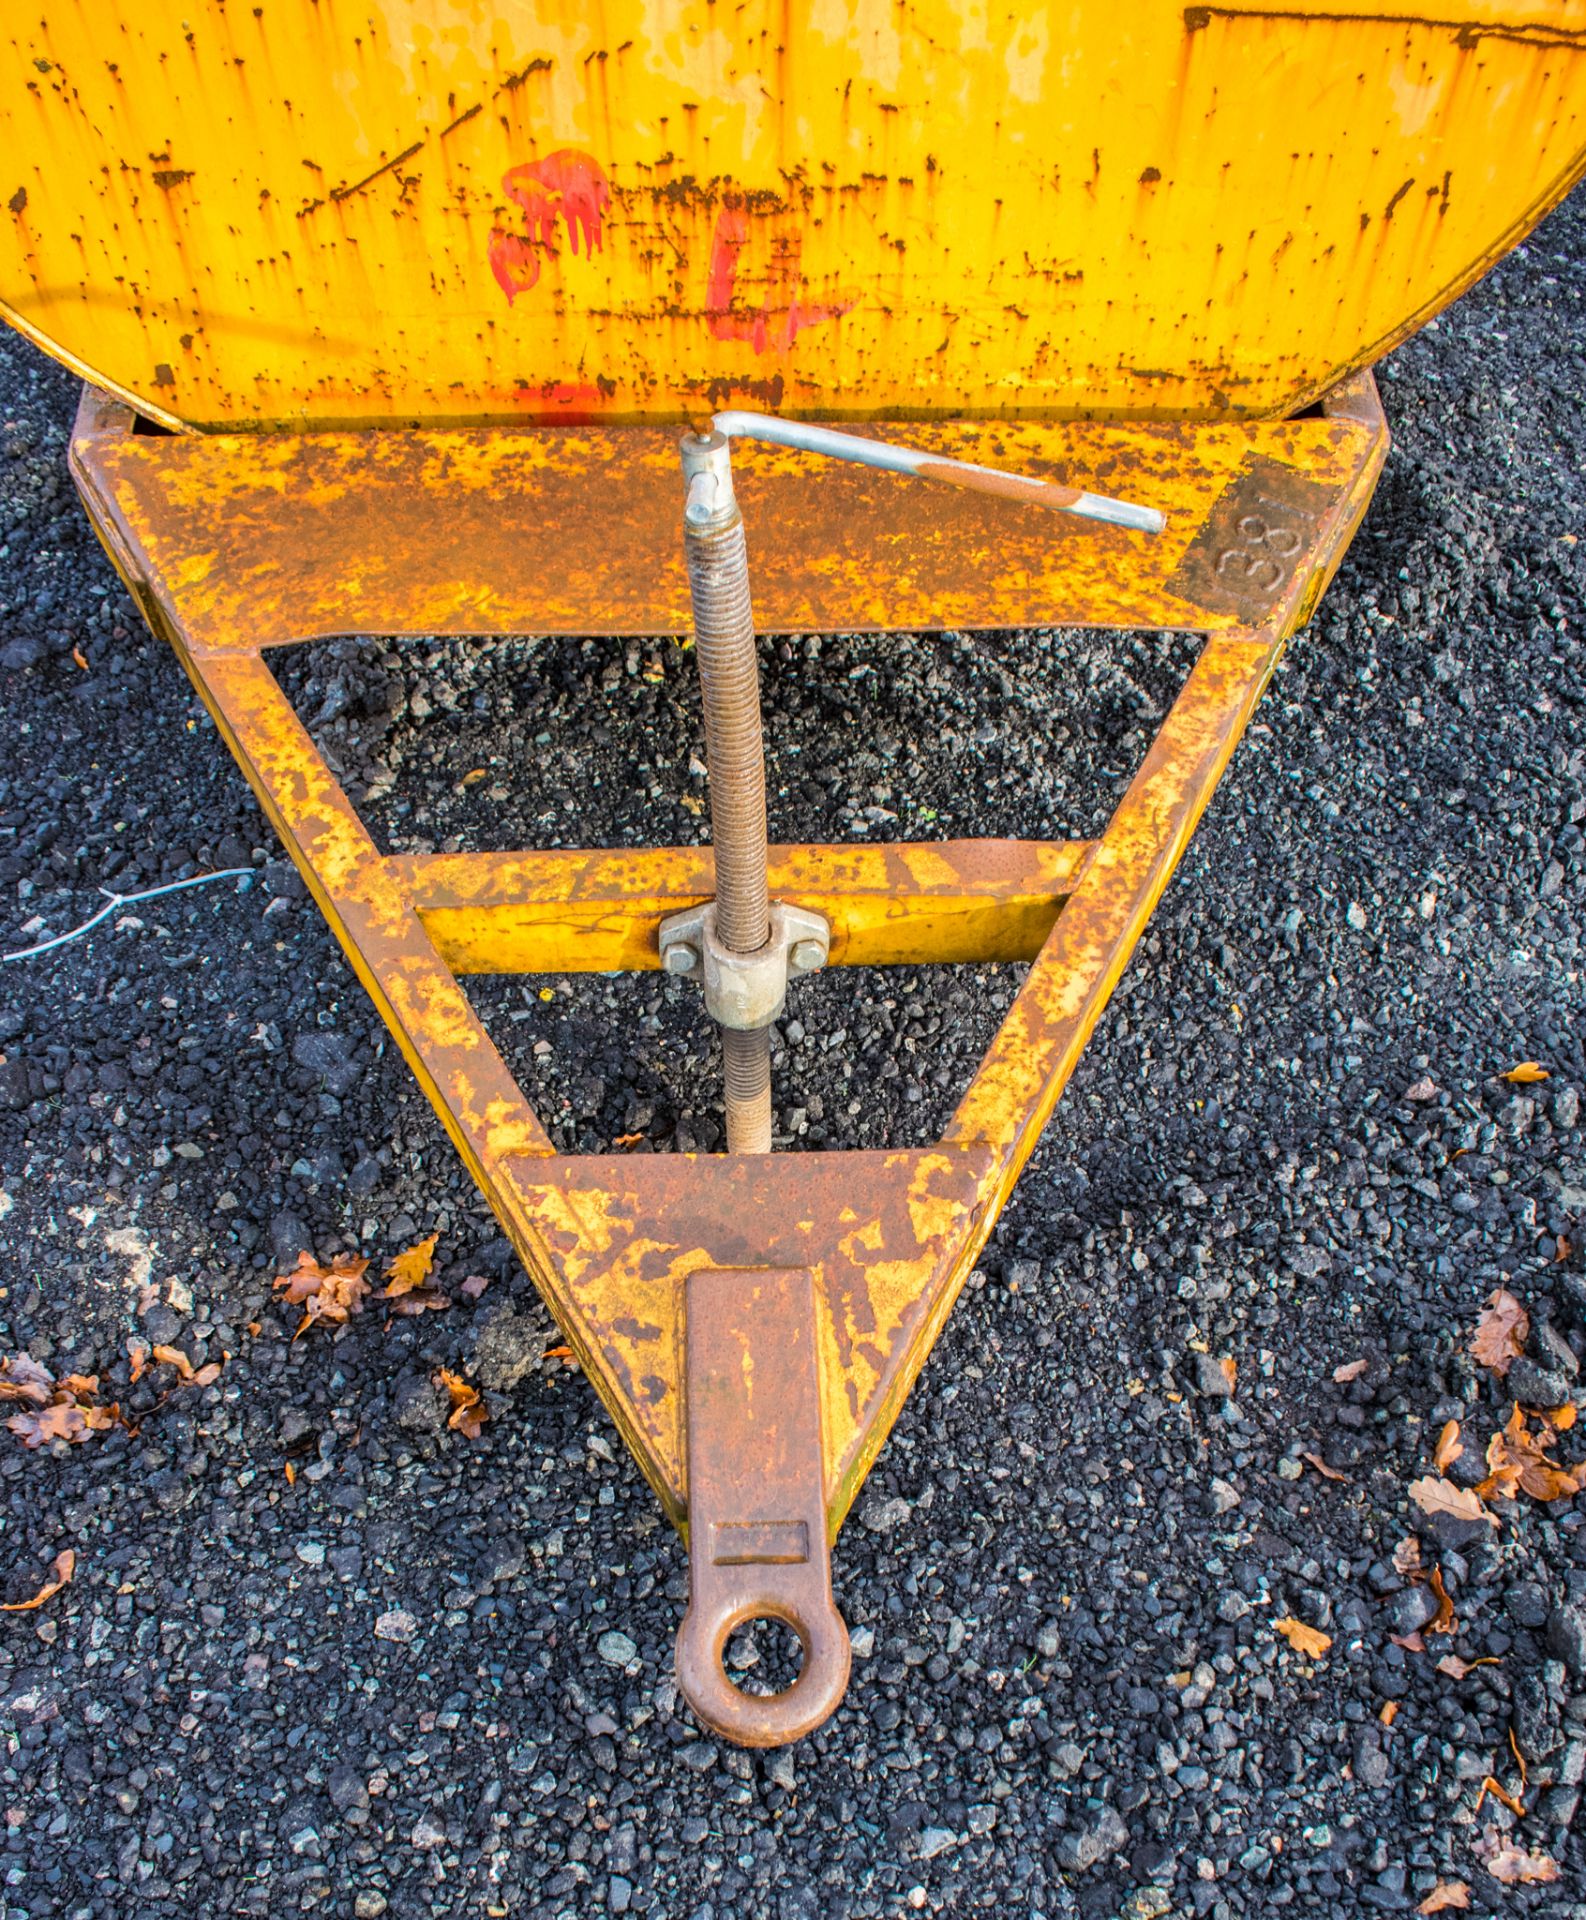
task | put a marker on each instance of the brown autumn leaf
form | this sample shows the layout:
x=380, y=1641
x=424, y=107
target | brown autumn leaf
x=1560, y=1419
x=1411, y=1642
x=561, y=1353
x=1448, y=1896
x=1456, y=1669
x=1301, y=1638
x=1499, y=1339
x=474, y=1286
x=420, y=1300
x=1511, y=1800
x=1432, y=1494
x=65, y=1420
x=1518, y=1459
x=1388, y=1712
x=204, y=1376
x=410, y=1268
x=331, y=1293
x=1448, y=1448
x=66, y=1409
x=1352, y=1371
x=1321, y=1466
x=1443, y=1620
x=64, y=1566
x=1526, y=1074
x=137, y=1360
x=469, y=1412
x=628, y=1139
x=1407, y=1558
x=22, y=1378
x=1229, y=1369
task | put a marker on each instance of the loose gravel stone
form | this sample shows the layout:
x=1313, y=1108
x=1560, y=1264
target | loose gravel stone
x=1100, y=1835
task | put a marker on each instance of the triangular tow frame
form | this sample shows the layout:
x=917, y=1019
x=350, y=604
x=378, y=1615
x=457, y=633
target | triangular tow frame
x=753, y=1324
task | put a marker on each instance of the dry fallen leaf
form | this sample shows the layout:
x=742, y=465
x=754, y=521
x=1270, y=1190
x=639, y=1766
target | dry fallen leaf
x=1407, y=1558
x=1562, y=1249
x=1435, y=1495
x=1321, y=1466
x=1448, y=1448
x=137, y=1360
x=1499, y=1339
x=1518, y=1459
x=1526, y=1074
x=1411, y=1642
x=1303, y=1639
x=407, y=1273
x=1355, y=1368
x=1519, y=1869
x=56, y=1409
x=420, y=1300
x=469, y=1412
x=474, y=1286
x=410, y=1268
x=1443, y=1620
x=628, y=1139
x=1229, y=1370
x=561, y=1353
x=1448, y=1896
x=326, y=1293
x=65, y=1565
x=1512, y=1801
x=192, y=1376
x=1560, y=1419
x=22, y=1378
x=1388, y=1712
x=1456, y=1669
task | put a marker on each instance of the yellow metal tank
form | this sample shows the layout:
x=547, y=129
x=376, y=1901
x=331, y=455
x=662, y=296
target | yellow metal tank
x=314, y=212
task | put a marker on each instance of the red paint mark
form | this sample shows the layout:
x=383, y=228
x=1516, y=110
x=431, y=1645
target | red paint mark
x=567, y=403
x=781, y=316
x=566, y=186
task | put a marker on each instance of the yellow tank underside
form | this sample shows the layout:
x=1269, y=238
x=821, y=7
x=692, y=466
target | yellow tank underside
x=309, y=212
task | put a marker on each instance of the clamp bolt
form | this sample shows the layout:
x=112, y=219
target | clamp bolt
x=680, y=957
x=808, y=956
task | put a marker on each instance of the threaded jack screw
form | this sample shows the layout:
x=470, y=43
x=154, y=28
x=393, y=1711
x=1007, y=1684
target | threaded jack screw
x=718, y=580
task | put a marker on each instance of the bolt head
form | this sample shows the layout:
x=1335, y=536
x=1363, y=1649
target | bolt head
x=680, y=957
x=808, y=955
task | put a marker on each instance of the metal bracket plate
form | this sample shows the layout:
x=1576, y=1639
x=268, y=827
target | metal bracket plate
x=745, y=990
x=757, y=1544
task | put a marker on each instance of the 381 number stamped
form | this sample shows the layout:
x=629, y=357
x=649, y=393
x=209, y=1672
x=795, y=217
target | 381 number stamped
x=1252, y=543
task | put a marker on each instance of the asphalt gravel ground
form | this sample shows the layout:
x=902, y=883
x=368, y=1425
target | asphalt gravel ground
x=427, y=1675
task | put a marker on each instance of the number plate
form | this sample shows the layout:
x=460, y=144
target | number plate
x=1254, y=542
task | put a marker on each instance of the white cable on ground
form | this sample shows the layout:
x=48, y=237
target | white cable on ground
x=114, y=900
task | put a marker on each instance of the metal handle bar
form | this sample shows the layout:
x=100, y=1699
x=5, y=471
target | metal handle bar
x=932, y=466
